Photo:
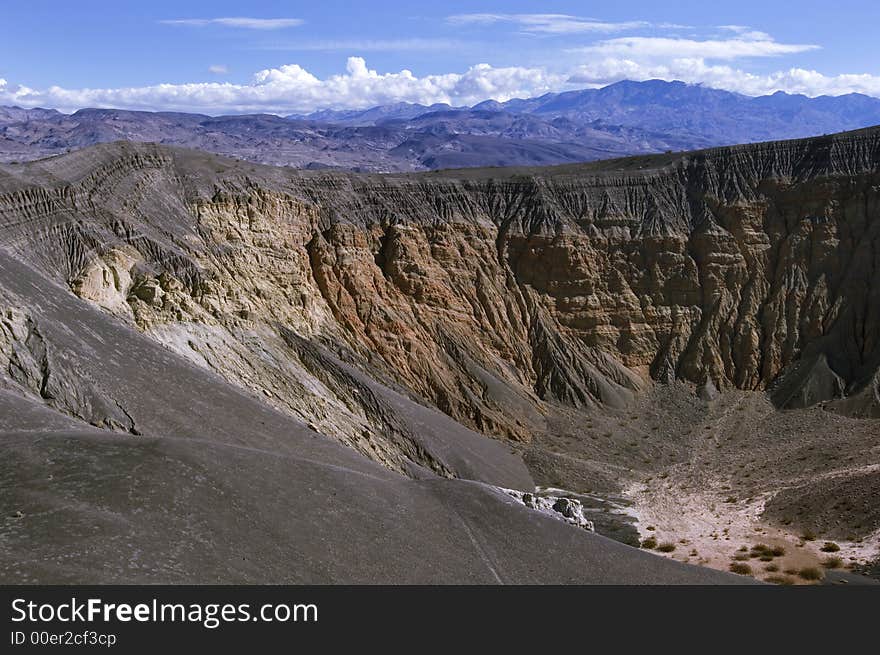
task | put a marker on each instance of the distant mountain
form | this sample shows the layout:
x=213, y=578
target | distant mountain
x=621, y=119
x=13, y=114
x=698, y=112
x=371, y=116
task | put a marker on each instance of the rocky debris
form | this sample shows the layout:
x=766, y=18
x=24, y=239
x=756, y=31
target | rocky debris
x=30, y=363
x=107, y=280
x=707, y=391
x=808, y=381
x=567, y=509
x=26, y=354
x=149, y=290
x=841, y=506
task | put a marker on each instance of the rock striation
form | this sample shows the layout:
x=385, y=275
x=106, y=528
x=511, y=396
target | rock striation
x=490, y=293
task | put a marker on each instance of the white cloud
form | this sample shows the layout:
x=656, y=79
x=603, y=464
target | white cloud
x=218, y=69
x=754, y=44
x=547, y=23
x=697, y=71
x=242, y=22
x=696, y=61
x=291, y=88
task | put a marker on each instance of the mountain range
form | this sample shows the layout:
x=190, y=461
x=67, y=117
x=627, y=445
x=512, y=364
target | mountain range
x=626, y=118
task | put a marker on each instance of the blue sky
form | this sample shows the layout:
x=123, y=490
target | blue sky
x=282, y=57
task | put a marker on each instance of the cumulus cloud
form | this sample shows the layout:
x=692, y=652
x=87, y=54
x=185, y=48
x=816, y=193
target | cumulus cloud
x=291, y=88
x=547, y=23
x=218, y=69
x=242, y=22
x=633, y=47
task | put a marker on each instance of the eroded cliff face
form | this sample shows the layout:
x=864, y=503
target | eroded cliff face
x=495, y=296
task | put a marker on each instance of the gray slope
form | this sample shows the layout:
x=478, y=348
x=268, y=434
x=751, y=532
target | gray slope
x=220, y=488
x=103, y=508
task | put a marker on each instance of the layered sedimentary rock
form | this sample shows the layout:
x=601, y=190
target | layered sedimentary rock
x=400, y=316
x=488, y=294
